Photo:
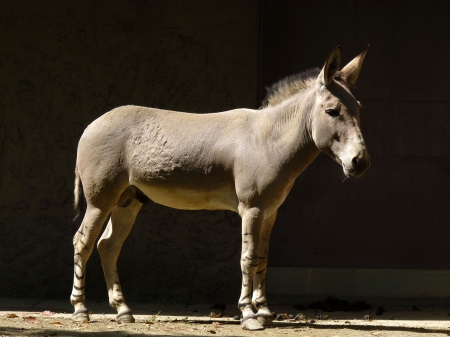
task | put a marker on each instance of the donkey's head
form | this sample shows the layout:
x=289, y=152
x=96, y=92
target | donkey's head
x=335, y=117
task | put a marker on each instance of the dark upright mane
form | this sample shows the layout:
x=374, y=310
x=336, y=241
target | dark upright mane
x=289, y=86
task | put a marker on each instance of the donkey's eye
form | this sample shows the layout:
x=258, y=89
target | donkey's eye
x=332, y=112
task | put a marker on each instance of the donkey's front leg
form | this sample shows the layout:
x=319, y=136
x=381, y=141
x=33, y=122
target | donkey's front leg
x=265, y=316
x=252, y=220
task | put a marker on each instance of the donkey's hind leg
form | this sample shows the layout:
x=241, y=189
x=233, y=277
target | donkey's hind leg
x=119, y=226
x=83, y=243
x=259, y=300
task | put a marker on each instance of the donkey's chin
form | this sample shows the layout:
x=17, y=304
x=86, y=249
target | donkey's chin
x=352, y=173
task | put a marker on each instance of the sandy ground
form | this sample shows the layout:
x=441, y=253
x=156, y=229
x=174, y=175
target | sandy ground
x=52, y=318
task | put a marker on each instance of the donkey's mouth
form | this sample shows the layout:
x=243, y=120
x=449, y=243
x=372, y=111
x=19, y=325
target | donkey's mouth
x=355, y=171
x=348, y=173
x=352, y=171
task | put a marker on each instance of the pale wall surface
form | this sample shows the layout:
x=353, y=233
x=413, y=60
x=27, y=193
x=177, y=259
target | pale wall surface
x=62, y=65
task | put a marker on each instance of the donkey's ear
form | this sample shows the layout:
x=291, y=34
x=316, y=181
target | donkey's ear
x=331, y=67
x=351, y=71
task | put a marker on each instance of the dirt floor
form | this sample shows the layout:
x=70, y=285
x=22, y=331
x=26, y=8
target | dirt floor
x=52, y=318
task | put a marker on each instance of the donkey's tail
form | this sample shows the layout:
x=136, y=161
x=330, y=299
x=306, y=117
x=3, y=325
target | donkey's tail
x=79, y=202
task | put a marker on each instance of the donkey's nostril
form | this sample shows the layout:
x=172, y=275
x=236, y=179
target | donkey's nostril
x=355, y=161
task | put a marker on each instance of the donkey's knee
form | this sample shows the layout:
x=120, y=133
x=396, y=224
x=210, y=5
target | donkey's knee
x=104, y=247
x=109, y=250
x=249, y=265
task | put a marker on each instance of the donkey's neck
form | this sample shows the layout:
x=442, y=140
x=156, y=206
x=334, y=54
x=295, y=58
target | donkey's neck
x=288, y=131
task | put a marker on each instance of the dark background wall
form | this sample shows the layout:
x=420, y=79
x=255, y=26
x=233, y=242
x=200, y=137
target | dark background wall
x=64, y=64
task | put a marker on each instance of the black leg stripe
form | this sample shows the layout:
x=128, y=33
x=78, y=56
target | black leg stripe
x=262, y=271
x=79, y=277
x=260, y=303
x=78, y=288
x=243, y=298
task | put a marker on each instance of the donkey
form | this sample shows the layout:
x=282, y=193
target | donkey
x=241, y=160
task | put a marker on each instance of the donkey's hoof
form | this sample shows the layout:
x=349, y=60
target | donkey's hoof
x=81, y=315
x=264, y=318
x=125, y=317
x=250, y=322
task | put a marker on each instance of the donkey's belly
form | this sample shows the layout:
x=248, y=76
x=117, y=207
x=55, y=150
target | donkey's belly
x=221, y=198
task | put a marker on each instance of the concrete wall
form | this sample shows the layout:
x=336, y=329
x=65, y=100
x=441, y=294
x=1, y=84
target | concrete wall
x=62, y=65
x=396, y=216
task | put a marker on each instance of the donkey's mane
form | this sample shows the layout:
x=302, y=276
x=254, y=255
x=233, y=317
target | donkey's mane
x=289, y=86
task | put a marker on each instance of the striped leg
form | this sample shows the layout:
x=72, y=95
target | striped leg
x=259, y=299
x=109, y=246
x=83, y=243
x=251, y=230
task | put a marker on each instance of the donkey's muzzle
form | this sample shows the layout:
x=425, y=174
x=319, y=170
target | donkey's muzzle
x=357, y=166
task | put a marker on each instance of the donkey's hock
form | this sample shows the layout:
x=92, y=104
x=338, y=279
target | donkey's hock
x=240, y=160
